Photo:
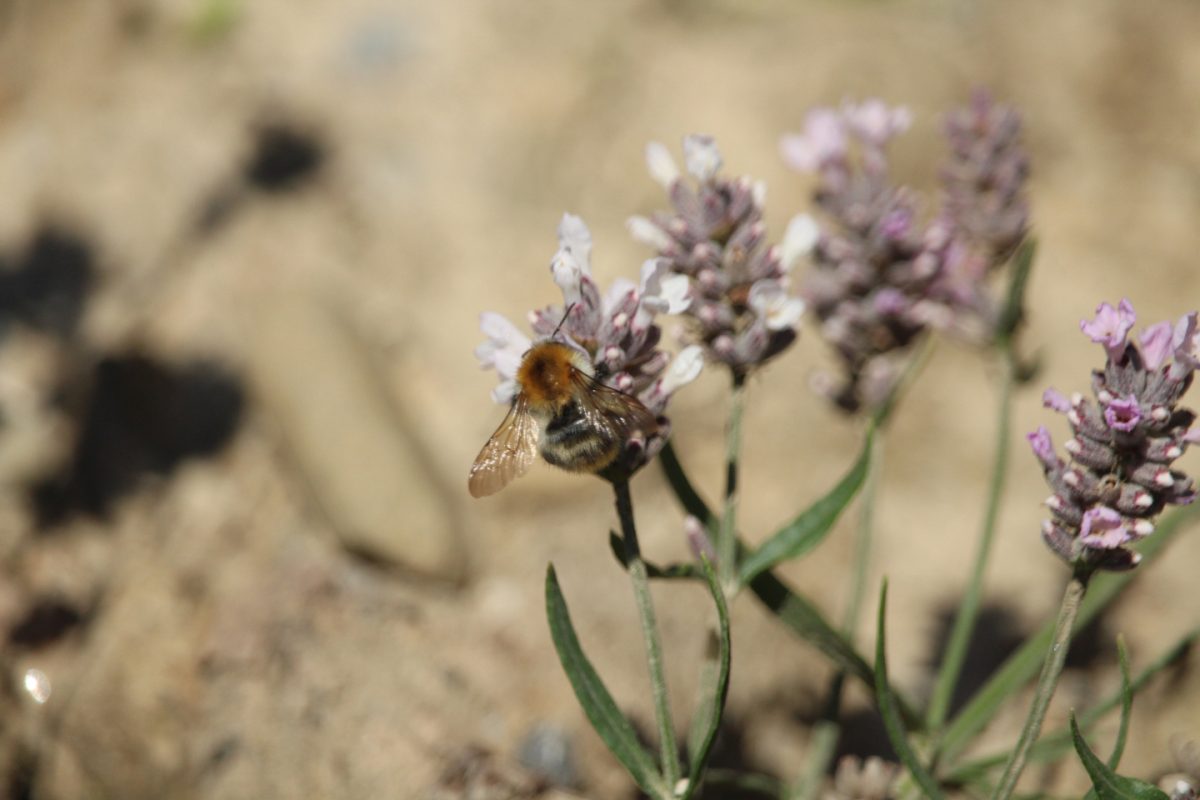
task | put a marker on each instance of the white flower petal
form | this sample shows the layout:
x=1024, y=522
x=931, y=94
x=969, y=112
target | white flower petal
x=758, y=190
x=661, y=291
x=618, y=295
x=653, y=271
x=500, y=329
x=505, y=391
x=661, y=165
x=798, y=153
x=675, y=293
x=504, y=346
x=576, y=239
x=646, y=232
x=684, y=369
x=786, y=314
x=778, y=310
x=701, y=156
x=568, y=274
x=799, y=239
x=507, y=361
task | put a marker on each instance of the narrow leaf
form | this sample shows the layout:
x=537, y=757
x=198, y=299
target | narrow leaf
x=1014, y=306
x=597, y=703
x=1108, y=784
x=1023, y=665
x=891, y=717
x=811, y=526
x=1126, y=705
x=806, y=620
x=1052, y=745
x=745, y=782
x=821, y=750
x=799, y=614
x=792, y=608
x=714, y=690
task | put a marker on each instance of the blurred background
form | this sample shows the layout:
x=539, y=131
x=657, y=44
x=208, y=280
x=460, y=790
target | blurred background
x=243, y=249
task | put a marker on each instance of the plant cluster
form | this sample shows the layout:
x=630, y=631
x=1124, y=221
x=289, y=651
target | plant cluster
x=888, y=271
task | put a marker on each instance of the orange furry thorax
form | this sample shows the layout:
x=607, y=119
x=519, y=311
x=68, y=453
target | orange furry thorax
x=545, y=375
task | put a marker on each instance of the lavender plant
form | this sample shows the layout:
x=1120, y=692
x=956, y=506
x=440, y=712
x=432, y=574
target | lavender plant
x=1119, y=475
x=884, y=279
x=739, y=308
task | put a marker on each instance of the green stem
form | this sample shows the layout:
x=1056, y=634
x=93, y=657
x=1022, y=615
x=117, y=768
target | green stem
x=827, y=731
x=727, y=537
x=822, y=746
x=743, y=782
x=863, y=538
x=1056, y=656
x=964, y=622
x=641, y=590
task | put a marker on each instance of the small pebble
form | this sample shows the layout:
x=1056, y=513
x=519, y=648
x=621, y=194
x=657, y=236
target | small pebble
x=548, y=752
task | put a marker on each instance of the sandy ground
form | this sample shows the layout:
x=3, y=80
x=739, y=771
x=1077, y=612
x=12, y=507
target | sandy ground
x=246, y=378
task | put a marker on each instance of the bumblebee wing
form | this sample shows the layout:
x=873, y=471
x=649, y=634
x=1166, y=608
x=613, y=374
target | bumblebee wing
x=610, y=410
x=507, y=454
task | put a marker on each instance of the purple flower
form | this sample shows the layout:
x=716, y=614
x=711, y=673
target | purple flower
x=616, y=331
x=984, y=214
x=872, y=265
x=1120, y=474
x=1110, y=326
x=697, y=539
x=1123, y=414
x=712, y=245
x=822, y=142
x=1053, y=398
x=874, y=122
x=1157, y=344
x=1186, y=341
x=882, y=275
x=1102, y=527
x=1043, y=447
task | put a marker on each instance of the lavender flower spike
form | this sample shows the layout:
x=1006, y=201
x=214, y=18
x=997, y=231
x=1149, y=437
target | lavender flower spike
x=984, y=214
x=714, y=239
x=1119, y=475
x=874, y=264
x=616, y=330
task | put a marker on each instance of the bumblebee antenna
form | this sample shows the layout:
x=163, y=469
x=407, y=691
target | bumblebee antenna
x=566, y=314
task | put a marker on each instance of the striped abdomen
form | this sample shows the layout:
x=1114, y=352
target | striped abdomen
x=571, y=442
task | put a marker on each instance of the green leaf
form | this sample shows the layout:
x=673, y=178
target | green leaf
x=714, y=688
x=806, y=621
x=1023, y=665
x=792, y=608
x=891, y=717
x=799, y=614
x=1052, y=745
x=1108, y=784
x=597, y=703
x=1126, y=705
x=811, y=526
x=1014, y=306
x=745, y=782
x=669, y=572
